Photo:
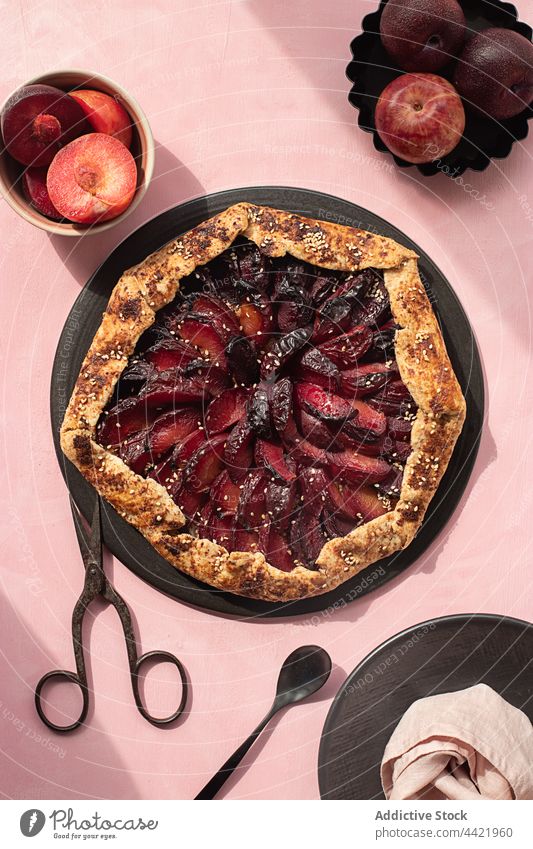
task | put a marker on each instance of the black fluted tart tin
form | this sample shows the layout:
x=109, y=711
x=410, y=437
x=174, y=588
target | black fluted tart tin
x=484, y=138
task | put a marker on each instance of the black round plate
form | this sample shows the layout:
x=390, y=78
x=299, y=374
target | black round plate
x=128, y=544
x=371, y=69
x=439, y=656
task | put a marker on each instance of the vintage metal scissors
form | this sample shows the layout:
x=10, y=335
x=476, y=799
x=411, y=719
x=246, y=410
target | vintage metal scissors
x=97, y=584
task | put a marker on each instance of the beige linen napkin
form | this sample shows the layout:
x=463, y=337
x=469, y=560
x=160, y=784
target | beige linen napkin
x=466, y=745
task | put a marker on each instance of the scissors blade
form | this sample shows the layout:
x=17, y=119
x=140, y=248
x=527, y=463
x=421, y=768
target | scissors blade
x=89, y=540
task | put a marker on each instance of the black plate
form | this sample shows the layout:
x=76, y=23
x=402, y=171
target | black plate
x=128, y=544
x=439, y=656
x=371, y=69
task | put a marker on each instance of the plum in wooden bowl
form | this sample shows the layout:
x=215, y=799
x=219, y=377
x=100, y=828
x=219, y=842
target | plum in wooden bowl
x=77, y=153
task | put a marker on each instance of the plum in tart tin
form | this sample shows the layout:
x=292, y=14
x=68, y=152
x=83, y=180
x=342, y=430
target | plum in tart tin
x=282, y=417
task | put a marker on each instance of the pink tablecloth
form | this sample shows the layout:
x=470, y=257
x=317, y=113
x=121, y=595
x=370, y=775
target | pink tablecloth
x=238, y=93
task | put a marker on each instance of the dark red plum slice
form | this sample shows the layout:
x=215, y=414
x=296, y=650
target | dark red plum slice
x=400, y=452
x=203, y=336
x=252, y=267
x=383, y=345
x=393, y=400
x=212, y=377
x=314, y=367
x=171, y=428
x=245, y=540
x=259, y=412
x=322, y=404
x=171, y=354
x=180, y=456
x=366, y=379
x=359, y=504
x=239, y=450
x=205, y=465
x=135, y=453
x=335, y=525
x=226, y=410
x=166, y=390
x=354, y=467
x=189, y=502
x=333, y=318
x=322, y=287
x=308, y=454
x=391, y=485
x=345, y=349
x=275, y=461
x=280, y=350
x=225, y=494
x=128, y=417
x=280, y=501
x=376, y=306
x=281, y=404
x=400, y=428
x=242, y=361
x=314, y=430
x=213, y=308
x=134, y=375
x=368, y=422
x=252, y=509
x=306, y=539
x=313, y=486
x=278, y=552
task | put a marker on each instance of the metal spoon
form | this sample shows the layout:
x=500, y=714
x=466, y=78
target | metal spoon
x=304, y=672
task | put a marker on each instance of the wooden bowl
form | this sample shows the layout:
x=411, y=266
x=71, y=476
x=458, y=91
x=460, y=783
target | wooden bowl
x=142, y=149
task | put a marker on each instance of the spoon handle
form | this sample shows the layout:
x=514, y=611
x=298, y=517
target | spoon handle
x=213, y=786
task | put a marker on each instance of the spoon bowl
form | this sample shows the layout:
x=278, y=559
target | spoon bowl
x=304, y=672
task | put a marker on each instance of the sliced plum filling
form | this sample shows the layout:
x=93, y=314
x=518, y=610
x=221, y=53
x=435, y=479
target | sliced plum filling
x=267, y=400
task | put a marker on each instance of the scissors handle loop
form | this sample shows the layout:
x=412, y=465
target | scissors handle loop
x=158, y=657
x=65, y=676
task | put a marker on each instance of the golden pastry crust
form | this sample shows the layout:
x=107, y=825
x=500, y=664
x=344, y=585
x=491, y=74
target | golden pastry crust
x=422, y=360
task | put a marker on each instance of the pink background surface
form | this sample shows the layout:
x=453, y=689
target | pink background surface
x=237, y=93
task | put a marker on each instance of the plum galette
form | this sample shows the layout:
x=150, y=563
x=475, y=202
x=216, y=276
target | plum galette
x=269, y=401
